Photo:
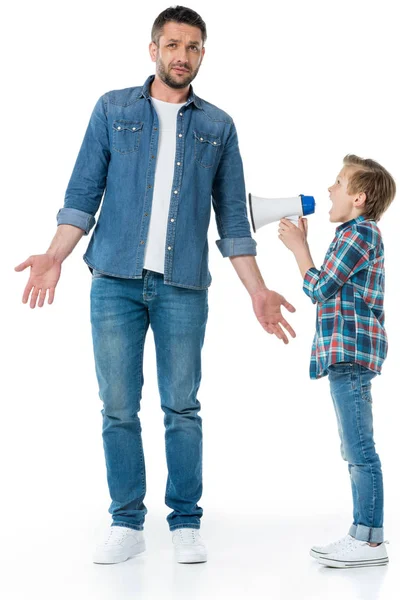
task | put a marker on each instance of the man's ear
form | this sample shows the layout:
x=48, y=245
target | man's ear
x=153, y=51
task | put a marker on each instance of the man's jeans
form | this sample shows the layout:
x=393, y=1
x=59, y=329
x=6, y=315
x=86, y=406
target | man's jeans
x=121, y=311
x=351, y=392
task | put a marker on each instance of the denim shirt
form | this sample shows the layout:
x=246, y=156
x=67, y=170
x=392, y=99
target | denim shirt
x=117, y=162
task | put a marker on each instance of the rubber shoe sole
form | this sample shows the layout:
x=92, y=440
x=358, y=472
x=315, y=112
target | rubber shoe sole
x=108, y=558
x=346, y=564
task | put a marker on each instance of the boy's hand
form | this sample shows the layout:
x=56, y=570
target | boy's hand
x=294, y=237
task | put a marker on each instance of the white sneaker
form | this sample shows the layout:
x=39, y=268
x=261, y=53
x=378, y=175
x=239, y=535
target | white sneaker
x=320, y=551
x=356, y=554
x=119, y=544
x=189, y=547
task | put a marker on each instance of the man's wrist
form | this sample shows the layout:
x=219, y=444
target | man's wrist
x=258, y=291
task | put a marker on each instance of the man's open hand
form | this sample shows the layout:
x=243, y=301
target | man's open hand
x=267, y=307
x=44, y=276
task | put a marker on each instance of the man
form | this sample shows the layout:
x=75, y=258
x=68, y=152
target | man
x=161, y=156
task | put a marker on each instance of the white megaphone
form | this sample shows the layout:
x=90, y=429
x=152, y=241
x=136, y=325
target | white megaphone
x=268, y=210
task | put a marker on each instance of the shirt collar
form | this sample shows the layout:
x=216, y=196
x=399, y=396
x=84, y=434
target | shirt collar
x=191, y=98
x=350, y=223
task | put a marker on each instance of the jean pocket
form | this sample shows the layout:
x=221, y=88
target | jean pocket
x=341, y=367
x=366, y=392
x=206, y=148
x=126, y=136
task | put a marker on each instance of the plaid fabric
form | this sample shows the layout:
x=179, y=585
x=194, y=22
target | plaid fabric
x=349, y=291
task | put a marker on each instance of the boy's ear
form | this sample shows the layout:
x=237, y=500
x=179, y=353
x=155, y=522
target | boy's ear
x=360, y=200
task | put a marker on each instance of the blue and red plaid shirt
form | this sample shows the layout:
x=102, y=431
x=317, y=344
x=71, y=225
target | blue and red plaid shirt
x=349, y=291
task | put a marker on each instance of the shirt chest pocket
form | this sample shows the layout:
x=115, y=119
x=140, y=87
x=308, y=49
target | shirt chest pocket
x=206, y=148
x=126, y=136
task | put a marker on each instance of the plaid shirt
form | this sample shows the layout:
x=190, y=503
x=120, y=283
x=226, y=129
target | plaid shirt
x=348, y=291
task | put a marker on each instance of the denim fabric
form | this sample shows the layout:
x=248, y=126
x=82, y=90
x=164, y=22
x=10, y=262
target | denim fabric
x=121, y=312
x=350, y=385
x=118, y=158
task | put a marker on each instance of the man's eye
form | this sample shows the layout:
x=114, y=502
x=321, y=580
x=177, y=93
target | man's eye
x=194, y=48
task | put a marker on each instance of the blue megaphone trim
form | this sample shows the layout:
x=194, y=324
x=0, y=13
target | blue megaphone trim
x=308, y=204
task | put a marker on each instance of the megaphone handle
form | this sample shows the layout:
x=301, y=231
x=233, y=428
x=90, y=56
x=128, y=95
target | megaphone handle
x=294, y=218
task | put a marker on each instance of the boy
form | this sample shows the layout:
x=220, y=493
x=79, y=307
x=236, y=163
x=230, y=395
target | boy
x=350, y=342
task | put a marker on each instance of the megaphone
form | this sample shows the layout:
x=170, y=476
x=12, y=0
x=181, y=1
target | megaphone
x=268, y=210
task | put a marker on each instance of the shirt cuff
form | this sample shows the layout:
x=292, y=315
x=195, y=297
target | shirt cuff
x=310, y=280
x=237, y=246
x=78, y=218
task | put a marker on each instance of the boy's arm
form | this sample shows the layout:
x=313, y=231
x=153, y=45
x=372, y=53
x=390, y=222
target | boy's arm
x=351, y=254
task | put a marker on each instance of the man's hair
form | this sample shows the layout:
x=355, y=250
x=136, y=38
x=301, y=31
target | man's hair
x=177, y=14
x=370, y=177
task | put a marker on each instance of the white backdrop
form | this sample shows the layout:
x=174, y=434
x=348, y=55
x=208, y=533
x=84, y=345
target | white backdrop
x=306, y=83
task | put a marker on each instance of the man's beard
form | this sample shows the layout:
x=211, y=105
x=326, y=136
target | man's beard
x=172, y=83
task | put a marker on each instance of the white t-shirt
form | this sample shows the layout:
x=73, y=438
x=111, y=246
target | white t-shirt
x=155, y=247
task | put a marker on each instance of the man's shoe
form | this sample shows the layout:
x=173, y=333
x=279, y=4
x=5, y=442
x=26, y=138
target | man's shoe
x=321, y=551
x=188, y=545
x=119, y=544
x=356, y=554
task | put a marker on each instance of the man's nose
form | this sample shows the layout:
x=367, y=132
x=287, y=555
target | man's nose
x=181, y=55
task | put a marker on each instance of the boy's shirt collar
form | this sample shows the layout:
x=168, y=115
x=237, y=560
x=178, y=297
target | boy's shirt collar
x=350, y=223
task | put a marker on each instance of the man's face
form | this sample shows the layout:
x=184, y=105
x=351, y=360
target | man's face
x=178, y=55
x=343, y=204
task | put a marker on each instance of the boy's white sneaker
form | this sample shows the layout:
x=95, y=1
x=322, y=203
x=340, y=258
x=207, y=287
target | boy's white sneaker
x=356, y=554
x=188, y=546
x=119, y=544
x=318, y=551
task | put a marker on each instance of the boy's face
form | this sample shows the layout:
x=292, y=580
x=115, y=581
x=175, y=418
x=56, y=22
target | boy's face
x=344, y=206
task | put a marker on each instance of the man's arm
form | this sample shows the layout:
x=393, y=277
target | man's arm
x=266, y=303
x=82, y=200
x=229, y=202
x=88, y=180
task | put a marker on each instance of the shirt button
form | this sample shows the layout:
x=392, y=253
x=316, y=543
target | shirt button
x=179, y=164
x=181, y=114
x=169, y=248
x=149, y=186
x=146, y=214
x=118, y=127
x=155, y=128
x=153, y=157
x=180, y=135
x=215, y=143
x=142, y=242
x=176, y=191
x=201, y=139
x=133, y=128
x=172, y=220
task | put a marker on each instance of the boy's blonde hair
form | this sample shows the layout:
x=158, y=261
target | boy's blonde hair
x=370, y=177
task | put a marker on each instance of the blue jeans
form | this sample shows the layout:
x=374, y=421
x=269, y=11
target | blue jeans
x=350, y=385
x=121, y=312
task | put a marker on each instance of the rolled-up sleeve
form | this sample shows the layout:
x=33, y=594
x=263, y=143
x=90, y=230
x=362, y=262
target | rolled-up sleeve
x=88, y=180
x=350, y=256
x=229, y=202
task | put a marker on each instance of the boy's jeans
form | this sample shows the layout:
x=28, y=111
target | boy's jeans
x=121, y=311
x=351, y=392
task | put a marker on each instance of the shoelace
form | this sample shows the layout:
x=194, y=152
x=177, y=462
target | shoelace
x=115, y=537
x=189, y=536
